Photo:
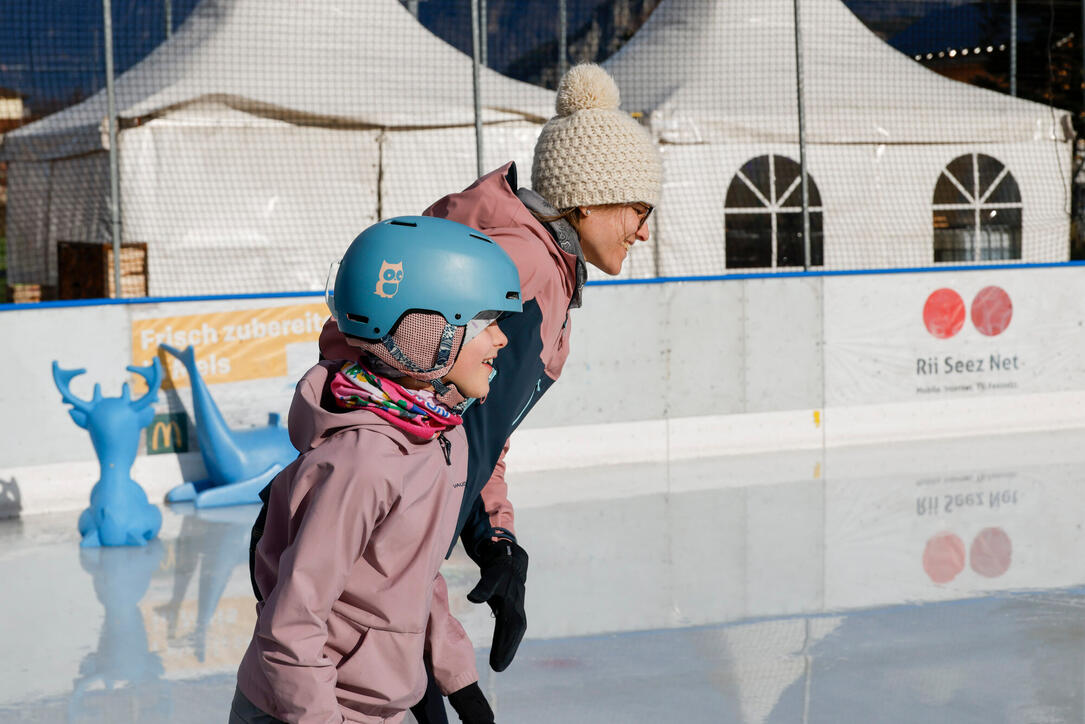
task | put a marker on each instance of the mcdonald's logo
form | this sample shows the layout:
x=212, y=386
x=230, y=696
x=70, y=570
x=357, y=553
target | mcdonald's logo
x=168, y=434
x=164, y=435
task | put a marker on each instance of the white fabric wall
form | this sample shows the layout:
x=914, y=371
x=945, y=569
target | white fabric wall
x=877, y=201
x=28, y=221
x=244, y=208
x=421, y=166
x=230, y=203
x=51, y=201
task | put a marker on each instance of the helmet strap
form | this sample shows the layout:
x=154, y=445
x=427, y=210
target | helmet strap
x=444, y=351
x=449, y=396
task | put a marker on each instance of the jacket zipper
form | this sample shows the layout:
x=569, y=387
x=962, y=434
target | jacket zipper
x=446, y=447
x=538, y=388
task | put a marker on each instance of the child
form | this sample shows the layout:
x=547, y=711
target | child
x=358, y=525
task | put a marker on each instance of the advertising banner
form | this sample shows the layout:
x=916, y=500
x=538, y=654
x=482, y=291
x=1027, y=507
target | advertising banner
x=926, y=337
x=230, y=346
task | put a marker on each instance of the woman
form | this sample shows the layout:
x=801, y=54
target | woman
x=596, y=176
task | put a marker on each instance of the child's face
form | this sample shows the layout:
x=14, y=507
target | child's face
x=471, y=372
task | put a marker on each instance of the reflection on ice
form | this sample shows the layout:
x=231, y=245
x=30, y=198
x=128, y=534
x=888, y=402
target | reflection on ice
x=123, y=666
x=214, y=541
x=923, y=582
x=11, y=501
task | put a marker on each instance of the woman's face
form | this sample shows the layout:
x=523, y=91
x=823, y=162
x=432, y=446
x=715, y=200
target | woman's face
x=471, y=372
x=607, y=233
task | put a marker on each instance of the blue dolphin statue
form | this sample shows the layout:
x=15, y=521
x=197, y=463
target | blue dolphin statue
x=239, y=462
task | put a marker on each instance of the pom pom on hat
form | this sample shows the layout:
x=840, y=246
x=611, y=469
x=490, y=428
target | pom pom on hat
x=585, y=87
x=592, y=153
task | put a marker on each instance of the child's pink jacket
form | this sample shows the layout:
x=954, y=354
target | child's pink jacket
x=356, y=531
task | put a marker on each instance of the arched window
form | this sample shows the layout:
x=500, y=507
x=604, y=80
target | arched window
x=763, y=215
x=977, y=211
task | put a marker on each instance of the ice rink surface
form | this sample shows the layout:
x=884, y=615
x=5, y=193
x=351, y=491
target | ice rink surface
x=920, y=582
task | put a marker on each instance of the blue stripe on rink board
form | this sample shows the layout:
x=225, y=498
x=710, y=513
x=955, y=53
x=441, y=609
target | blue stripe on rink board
x=155, y=300
x=838, y=273
x=599, y=283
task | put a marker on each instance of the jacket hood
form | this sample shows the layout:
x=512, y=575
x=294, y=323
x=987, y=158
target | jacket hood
x=314, y=416
x=564, y=233
x=496, y=202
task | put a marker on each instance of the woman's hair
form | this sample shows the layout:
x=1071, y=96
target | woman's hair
x=572, y=215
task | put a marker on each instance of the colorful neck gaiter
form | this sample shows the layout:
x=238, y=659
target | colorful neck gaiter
x=414, y=411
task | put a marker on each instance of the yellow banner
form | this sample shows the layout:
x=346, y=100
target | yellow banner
x=230, y=346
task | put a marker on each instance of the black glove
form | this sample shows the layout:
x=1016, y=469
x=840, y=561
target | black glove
x=431, y=709
x=470, y=703
x=504, y=574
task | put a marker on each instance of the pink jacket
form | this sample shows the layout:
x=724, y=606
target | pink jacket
x=356, y=531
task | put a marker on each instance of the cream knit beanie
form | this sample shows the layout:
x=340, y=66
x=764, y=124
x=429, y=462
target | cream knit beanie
x=591, y=153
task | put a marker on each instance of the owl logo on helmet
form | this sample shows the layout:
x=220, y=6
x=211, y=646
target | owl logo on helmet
x=388, y=279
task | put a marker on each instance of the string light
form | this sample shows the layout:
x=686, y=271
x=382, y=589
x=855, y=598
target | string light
x=963, y=51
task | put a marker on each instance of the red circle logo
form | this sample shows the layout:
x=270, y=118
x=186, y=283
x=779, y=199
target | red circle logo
x=943, y=314
x=943, y=558
x=992, y=311
x=991, y=552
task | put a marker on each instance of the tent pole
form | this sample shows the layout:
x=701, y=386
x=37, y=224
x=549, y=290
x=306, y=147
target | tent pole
x=475, y=53
x=169, y=18
x=484, y=40
x=563, y=50
x=1013, y=48
x=114, y=180
x=802, y=142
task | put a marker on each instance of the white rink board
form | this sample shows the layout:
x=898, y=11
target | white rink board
x=657, y=372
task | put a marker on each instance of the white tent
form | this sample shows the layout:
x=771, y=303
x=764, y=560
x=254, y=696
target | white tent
x=716, y=83
x=258, y=140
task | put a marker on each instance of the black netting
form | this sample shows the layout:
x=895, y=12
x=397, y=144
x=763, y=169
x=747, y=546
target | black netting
x=256, y=138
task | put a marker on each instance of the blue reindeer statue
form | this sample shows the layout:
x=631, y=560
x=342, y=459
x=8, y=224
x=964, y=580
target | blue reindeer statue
x=239, y=462
x=119, y=513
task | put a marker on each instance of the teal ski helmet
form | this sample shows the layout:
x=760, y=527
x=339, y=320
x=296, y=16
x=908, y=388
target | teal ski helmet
x=411, y=289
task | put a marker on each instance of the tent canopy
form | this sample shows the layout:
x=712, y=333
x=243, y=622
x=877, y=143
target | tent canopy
x=337, y=63
x=724, y=71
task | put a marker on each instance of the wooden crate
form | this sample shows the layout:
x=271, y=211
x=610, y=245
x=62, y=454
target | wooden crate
x=30, y=293
x=85, y=270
